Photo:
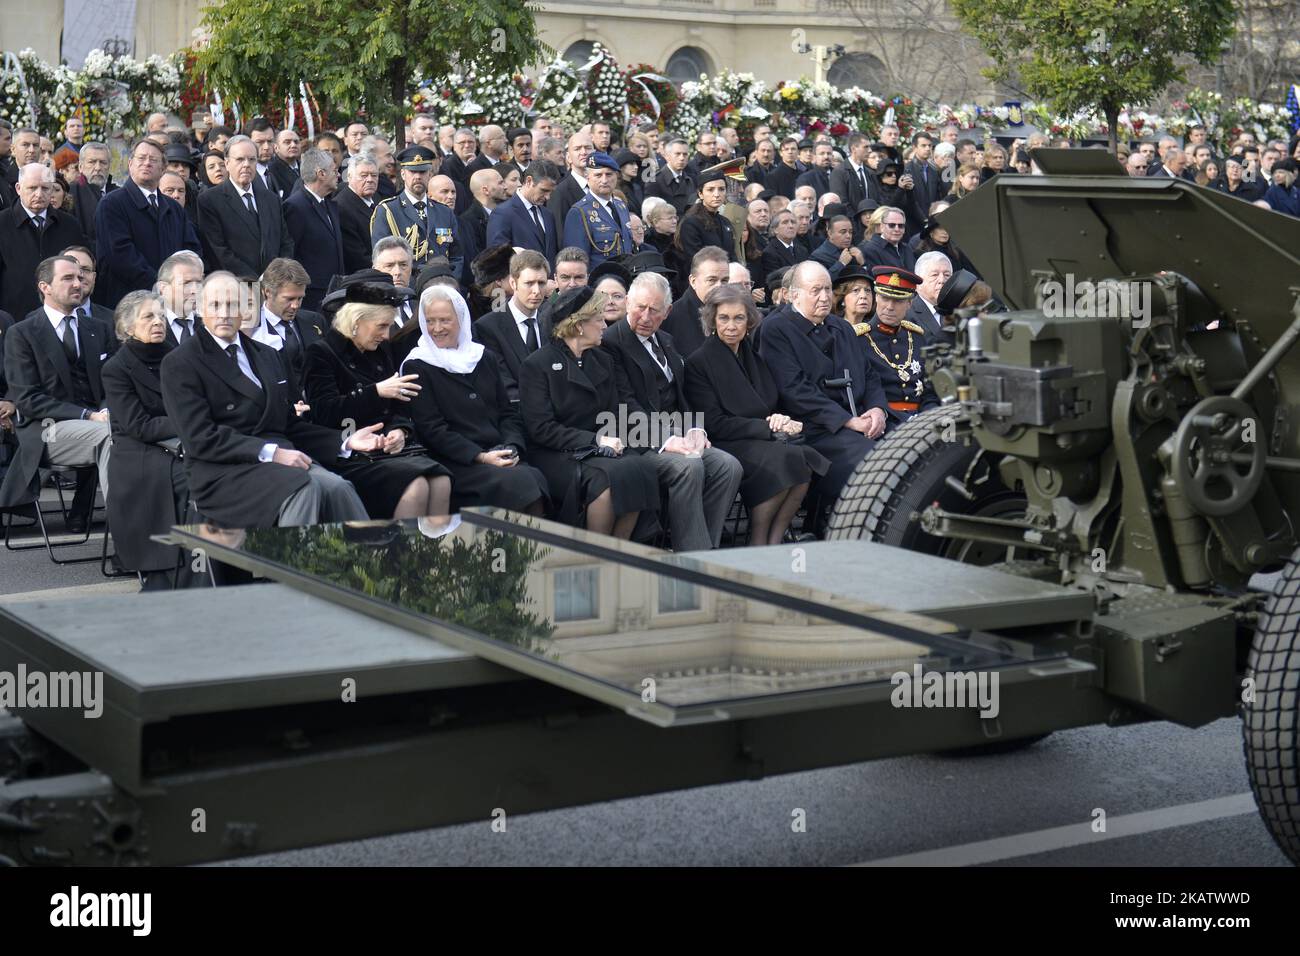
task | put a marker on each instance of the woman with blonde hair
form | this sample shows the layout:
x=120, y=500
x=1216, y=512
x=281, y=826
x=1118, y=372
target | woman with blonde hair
x=569, y=394
x=967, y=181
x=351, y=381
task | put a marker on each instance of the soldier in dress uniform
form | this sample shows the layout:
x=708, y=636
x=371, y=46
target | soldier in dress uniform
x=428, y=227
x=894, y=345
x=598, y=223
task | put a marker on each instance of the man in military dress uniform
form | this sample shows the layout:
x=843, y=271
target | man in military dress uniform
x=894, y=345
x=598, y=223
x=428, y=227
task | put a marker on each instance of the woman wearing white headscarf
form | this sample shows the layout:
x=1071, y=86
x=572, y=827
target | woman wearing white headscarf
x=462, y=413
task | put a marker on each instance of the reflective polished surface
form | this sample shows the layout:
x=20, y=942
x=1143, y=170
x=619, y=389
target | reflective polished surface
x=645, y=636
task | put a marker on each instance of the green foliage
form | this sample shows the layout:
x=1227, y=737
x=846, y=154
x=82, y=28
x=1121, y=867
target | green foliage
x=1101, y=55
x=362, y=55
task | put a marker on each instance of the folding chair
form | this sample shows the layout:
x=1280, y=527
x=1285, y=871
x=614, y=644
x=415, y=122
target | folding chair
x=40, y=521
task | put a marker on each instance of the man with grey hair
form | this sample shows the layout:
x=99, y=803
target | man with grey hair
x=824, y=379
x=356, y=202
x=252, y=460
x=91, y=185
x=179, y=278
x=242, y=220
x=674, y=184
x=701, y=483
x=31, y=230
x=492, y=150
x=381, y=151
x=935, y=269
x=313, y=220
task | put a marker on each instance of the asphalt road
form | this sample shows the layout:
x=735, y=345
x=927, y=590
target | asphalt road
x=893, y=809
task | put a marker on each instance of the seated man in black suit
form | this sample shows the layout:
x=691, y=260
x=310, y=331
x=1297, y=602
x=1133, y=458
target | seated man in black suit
x=518, y=331
x=242, y=220
x=487, y=192
x=700, y=488
x=283, y=323
x=674, y=184
x=888, y=248
x=804, y=346
x=251, y=461
x=52, y=363
x=523, y=220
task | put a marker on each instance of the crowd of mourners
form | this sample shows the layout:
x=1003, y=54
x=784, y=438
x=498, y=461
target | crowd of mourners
x=655, y=339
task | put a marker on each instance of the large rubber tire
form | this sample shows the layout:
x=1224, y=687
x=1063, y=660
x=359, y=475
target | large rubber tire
x=1271, y=721
x=906, y=473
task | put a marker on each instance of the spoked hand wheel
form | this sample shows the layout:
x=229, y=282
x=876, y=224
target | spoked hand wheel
x=1219, y=455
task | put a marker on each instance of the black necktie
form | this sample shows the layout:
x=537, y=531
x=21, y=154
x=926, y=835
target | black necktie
x=659, y=353
x=187, y=329
x=530, y=342
x=69, y=340
x=153, y=201
x=291, y=343
x=233, y=351
x=39, y=223
x=862, y=177
x=419, y=207
x=537, y=218
x=248, y=201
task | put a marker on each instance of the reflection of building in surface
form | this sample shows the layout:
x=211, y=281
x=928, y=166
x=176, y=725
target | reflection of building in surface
x=623, y=625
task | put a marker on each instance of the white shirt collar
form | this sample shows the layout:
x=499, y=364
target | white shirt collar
x=222, y=343
x=269, y=317
x=412, y=200
x=582, y=180
x=55, y=316
x=520, y=317
x=36, y=215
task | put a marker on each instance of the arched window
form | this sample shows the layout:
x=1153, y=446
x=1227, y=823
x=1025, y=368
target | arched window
x=858, y=69
x=687, y=64
x=580, y=52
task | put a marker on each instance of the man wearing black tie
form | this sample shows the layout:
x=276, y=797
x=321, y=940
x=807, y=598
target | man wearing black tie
x=283, y=324
x=262, y=133
x=356, y=203
x=243, y=221
x=518, y=331
x=782, y=251
x=283, y=167
x=928, y=182
x=31, y=231
x=52, y=363
x=392, y=257
x=250, y=459
x=851, y=180
x=523, y=220
x=313, y=221
x=179, y=278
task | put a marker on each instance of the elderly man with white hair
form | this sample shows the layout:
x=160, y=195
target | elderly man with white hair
x=31, y=230
x=824, y=379
x=935, y=269
x=701, y=481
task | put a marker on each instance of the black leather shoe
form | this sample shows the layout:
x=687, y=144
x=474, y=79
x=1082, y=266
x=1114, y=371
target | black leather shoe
x=78, y=524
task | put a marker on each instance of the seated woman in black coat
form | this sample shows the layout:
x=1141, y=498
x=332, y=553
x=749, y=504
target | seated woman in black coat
x=568, y=390
x=703, y=224
x=729, y=385
x=351, y=381
x=148, y=480
x=463, y=414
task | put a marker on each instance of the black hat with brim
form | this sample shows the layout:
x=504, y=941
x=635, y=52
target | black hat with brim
x=569, y=302
x=371, y=292
x=648, y=260
x=437, y=268
x=954, y=290
x=611, y=267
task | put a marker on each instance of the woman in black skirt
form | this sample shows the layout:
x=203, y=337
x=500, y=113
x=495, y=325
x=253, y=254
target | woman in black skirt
x=729, y=385
x=351, y=382
x=462, y=413
x=570, y=401
x=147, y=478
